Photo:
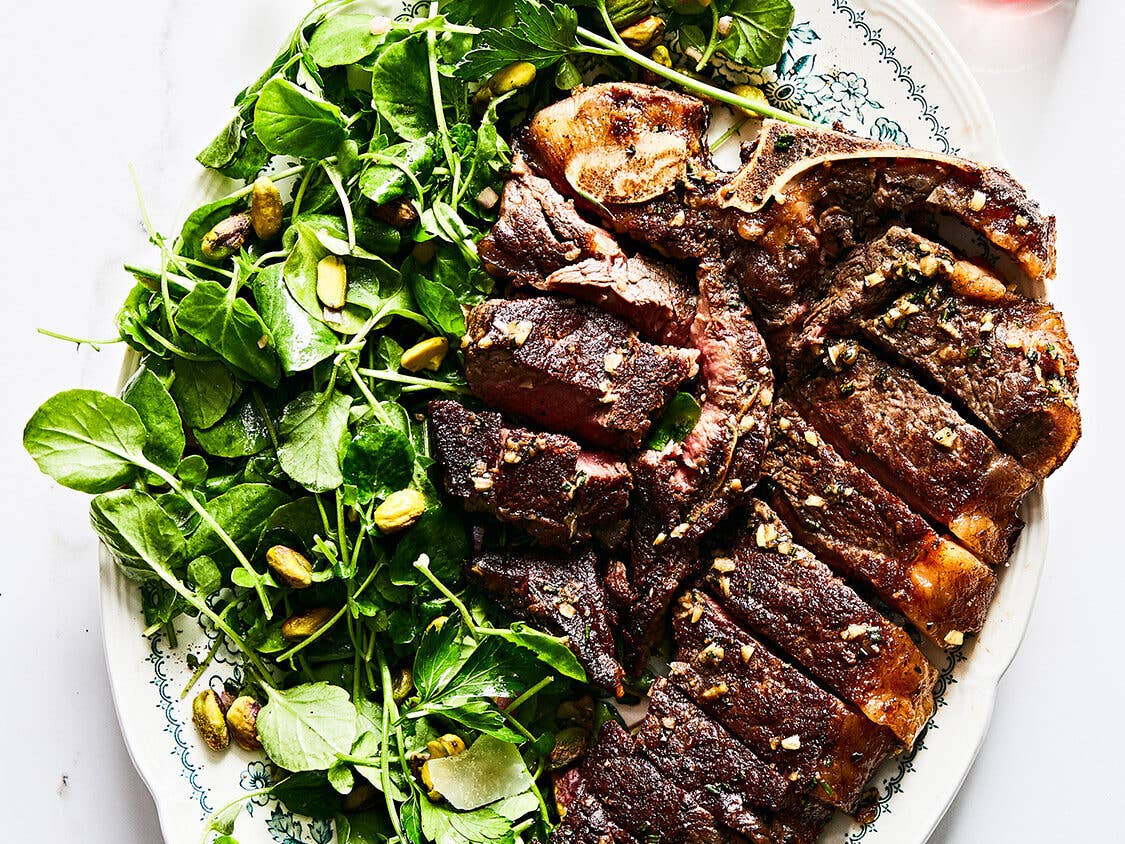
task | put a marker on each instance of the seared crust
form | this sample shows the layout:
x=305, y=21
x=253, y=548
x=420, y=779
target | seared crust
x=868, y=534
x=917, y=445
x=562, y=594
x=571, y=367
x=782, y=593
x=784, y=717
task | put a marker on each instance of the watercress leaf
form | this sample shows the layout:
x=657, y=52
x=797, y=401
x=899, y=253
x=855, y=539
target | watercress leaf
x=382, y=181
x=301, y=341
x=493, y=669
x=192, y=470
x=439, y=304
x=379, y=460
x=205, y=575
x=440, y=535
x=242, y=432
x=437, y=657
x=482, y=826
x=311, y=433
x=230, y=327
x=679, y=418
x=242, y=512
x=290, y=121
x=343, y=40
x=364, y=827
x=86, y=440
x=400, y=88
x=160, y=604
x=308, y=793
x=306, y=727
x=137, y=531
x=203, y=390
x=341, y=778
x=540, y=33
x=145, y=392
x=223, y=820
x=758, y=30
x=223, y=147
x=134, y=316
x=549, y=649
x=379, y=288
x=251, y=157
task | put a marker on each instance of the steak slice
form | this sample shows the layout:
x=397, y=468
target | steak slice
x=724, y=775
x=546, y=483
x=538, y=231
x=562, y=595
x=1007, y=358
x=821, y=743
x=868, y=534
x=571, y=367
x=685, y=489
x=652, y=296
x=583, y=818
x=784, y=594
x=917, y=445
x=638, y=799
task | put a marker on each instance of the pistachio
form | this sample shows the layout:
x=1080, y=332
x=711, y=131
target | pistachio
x=399, y=511
x=644, y=32
x=752, y=93
x=661, y=56
x=208, y=718
x=570, y=745
x=515, y=75
x=425, y=355
x=291, y=567
x=402, y=685
x=332, y=282
x=399, y=213
x=226, y=237
x=624, y=12
x=437, y=623
x=448, y=745
x=265, y=208
x=304, y=624
x=242, y=719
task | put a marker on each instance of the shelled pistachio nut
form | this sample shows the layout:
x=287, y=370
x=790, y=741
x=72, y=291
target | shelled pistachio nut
x=648, y=30
x=332, y=282
x=242, y=720
x=399, y=511
x=207, y=715
x=304, y=624
x=515, y=75
x=425, y=355
x=291, y=567
x=226, y=237
x=265, y=208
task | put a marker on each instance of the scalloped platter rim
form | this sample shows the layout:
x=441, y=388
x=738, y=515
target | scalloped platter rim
x=883, y=69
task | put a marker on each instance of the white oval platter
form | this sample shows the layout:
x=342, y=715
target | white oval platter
x=884, y=70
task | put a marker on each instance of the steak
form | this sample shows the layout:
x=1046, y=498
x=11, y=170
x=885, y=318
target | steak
x=686, y=488
x=869, y=534
x=562, y=595
x=811, y=736
x=650, y=295
x=722, y=774
x=546, y=483
x=917, y=445
x=638, y=799
x=538, y=231
x=571, y=367
x=583, y=817
x=782, y=593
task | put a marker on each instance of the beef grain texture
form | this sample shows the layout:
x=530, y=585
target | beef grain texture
x=571, y=367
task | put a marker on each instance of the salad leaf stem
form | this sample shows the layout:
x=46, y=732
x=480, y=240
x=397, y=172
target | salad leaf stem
x=400, y=378
x=96, y=345
x=439, y=106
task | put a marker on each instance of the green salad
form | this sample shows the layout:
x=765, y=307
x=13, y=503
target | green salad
x=266, y=470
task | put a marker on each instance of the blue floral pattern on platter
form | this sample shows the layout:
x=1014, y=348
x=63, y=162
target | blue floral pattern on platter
x=803, y=81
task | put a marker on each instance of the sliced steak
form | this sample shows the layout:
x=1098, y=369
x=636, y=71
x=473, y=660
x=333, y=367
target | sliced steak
x=538, y=231
x=583, y=819
x=546, y=483
x=652, y=296
x=823, y=744
x=562, y=595
x=868, y=534
x=917, y=445
x=571, y=367
x=686, y=488
x=638, y=799
x=782, y=593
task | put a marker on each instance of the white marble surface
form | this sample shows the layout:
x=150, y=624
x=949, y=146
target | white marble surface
x=90, y=88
